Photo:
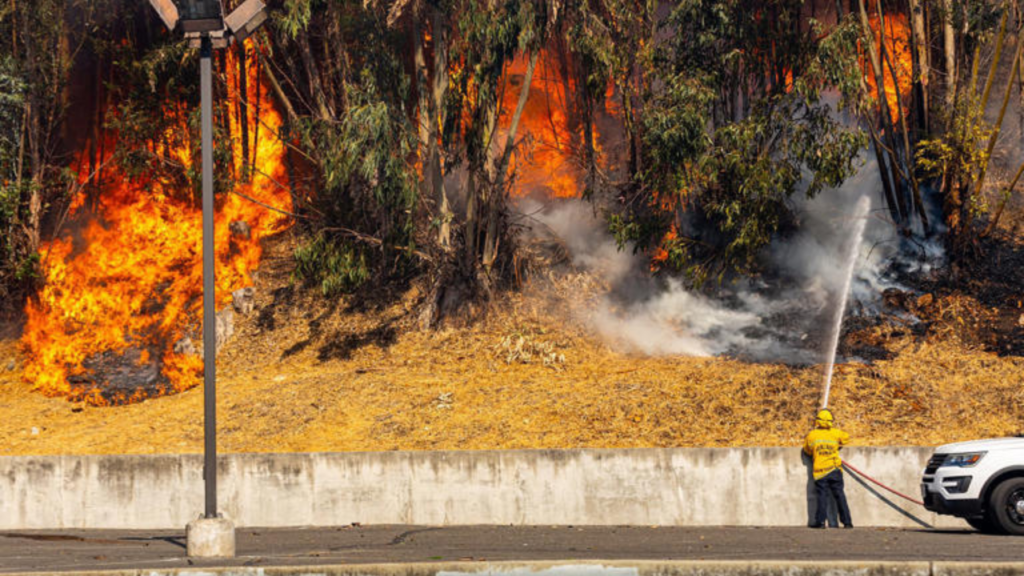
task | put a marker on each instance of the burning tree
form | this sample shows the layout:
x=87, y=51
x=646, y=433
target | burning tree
x=399, y=134
x=36, y=57
x=729, y=122
x=120, y=301
x=376, y=162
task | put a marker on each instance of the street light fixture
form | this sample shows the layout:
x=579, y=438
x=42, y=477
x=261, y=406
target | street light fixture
x=246, y=19
x=201, y=16
x=211, y=535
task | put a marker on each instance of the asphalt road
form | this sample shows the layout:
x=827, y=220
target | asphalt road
x=51, y=551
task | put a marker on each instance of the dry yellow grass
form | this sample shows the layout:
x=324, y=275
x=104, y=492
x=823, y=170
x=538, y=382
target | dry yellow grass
x=457, y=389
x=302, y=374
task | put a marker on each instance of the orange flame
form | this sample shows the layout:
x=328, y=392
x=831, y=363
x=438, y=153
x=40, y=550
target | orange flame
x=665, y=204
x=897, y=46
x=550, y=166
x=130, y=284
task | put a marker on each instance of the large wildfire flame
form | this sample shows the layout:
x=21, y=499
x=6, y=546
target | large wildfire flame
x=550, y=166
x=897, y=45
x=119, y=294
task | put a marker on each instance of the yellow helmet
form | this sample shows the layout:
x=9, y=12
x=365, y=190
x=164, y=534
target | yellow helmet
x=823, y=419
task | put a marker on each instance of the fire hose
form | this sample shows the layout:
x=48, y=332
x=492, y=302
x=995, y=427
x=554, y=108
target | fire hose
x=866, y=477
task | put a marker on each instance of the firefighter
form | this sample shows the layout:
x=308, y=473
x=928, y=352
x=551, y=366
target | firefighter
x=823, y=445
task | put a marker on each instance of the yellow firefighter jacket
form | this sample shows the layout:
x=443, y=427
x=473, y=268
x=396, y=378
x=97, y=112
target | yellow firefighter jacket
x=823, y=445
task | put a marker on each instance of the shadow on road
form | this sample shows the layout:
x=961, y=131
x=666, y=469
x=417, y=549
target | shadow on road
x=178, y=541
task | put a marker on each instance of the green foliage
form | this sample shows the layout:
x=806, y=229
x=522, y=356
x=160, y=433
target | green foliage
x=294, y=17
x=958, y=154
x=27, y=268
x=156, y=97
x=353, y=127
x=336, y=267
x=732, y=125
x=490, y=36
x=757, y=163
x=367, y=181
x=835, y=63
x=12, y=98
x=17, y=265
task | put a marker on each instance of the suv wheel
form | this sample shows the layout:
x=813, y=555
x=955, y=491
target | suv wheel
x=1006, y=507
x=985, y=525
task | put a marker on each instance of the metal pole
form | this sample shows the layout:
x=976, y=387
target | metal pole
x=209, y=298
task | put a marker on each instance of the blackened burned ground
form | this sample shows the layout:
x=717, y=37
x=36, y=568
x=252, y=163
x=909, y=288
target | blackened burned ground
x=996, y=279
x=49, y=551
x=135, y=372
x=980, y=299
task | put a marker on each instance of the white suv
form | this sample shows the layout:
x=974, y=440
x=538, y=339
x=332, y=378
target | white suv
x=980, y=481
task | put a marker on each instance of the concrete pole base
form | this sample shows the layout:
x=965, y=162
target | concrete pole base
x=210, y=538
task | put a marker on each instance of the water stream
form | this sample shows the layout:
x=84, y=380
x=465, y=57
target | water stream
x=860, y=218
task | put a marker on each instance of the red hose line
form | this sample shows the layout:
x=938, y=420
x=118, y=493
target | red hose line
x=865, y=476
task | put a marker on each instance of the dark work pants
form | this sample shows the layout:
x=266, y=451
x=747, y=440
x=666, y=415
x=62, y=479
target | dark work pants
x=831, y=484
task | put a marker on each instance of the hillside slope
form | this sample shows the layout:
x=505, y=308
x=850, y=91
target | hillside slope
x=304, y=374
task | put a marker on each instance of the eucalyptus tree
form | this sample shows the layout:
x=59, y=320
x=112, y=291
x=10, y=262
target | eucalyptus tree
x=730, y=123
x=40, y=41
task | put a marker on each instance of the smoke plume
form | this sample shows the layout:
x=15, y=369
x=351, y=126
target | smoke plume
x=781, y=316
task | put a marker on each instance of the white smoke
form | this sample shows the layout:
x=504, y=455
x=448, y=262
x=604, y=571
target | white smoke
x=781, y=318
x=674, y=321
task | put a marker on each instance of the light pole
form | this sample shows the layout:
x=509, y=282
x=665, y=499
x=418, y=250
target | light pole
x=203, y=20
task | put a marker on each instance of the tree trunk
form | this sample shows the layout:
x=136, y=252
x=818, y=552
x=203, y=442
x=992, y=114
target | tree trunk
x=885, y=174
x=34, y=137
x=978, y=187
x=256, y=115
x=995, y=61
x=243, y=111
x=431, y=100
x=497, y=196
x=920, y=63
x=313, y=73
x=423, y=112
x=907, y=149
x=883, y=106
x=95, y=151
x=469, y=245
x=479, y=193
x=282, y=98
x=437, y=114
x=949, y=45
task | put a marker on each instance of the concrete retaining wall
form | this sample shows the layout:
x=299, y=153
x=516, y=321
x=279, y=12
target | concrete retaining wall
x=677, y=486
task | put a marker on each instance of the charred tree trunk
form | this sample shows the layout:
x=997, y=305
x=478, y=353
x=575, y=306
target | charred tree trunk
x=256, y=116
x=589, y=150
x=908, y=150
x=874, y=58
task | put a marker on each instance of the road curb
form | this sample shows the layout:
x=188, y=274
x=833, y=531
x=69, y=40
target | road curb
x=590, y=568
